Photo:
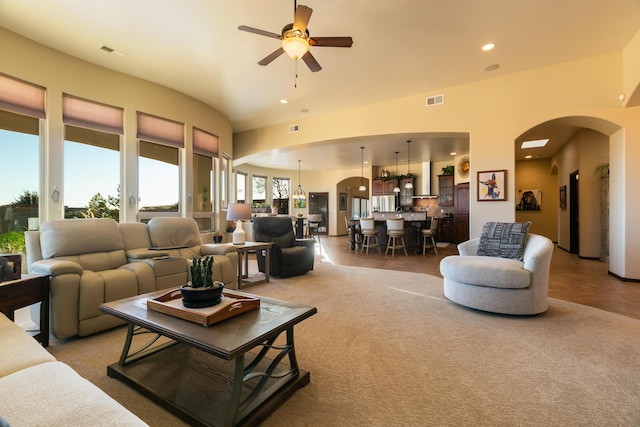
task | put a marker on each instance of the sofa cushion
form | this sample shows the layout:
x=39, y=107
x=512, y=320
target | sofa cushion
x=173, y=232
x=68, y=237
x=503, y=239
x=493, y=272
x=53, y=394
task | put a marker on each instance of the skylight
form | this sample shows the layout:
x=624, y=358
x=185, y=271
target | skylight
x=536, y=143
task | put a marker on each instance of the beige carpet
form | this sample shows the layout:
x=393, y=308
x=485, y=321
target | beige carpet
x=387, y=349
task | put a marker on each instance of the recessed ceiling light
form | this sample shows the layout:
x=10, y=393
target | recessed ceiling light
x=528, y=157
x=453, y=153
x=304, y=110
x=283, y=101
x=536, y=143
x=489, y=46
x=492, y=67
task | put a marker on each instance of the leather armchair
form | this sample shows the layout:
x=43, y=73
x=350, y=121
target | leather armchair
x=289, y=256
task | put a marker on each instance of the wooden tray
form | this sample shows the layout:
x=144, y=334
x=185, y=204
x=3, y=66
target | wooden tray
x=231, y=305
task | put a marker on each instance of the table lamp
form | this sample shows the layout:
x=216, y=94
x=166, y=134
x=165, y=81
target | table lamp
x=238, y=212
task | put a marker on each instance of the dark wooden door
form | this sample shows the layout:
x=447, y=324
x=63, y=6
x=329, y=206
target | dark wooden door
x=461, y=223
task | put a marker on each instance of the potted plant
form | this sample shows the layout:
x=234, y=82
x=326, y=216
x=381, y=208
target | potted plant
x=217, y=236
x=447, y=170
x=202, y=291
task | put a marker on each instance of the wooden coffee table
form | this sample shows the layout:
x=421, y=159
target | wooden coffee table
x=235, y=372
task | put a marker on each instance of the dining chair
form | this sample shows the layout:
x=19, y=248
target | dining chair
x=369, y=235
x=429, y=236
x=313, y=223
x=353, y=230
x=395, y=233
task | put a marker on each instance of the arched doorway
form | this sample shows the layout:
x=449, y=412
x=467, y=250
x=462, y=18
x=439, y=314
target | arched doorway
x=576, y=147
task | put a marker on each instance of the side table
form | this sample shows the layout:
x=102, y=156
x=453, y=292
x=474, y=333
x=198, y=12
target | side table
x=243, y=261
x=29, y=289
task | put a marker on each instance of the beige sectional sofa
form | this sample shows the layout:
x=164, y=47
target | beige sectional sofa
x=38, y=390
x=92, y=261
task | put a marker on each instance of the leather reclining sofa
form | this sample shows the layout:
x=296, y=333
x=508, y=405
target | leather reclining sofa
x=92, y=261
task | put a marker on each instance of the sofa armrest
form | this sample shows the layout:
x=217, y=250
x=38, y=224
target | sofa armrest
x=55, y=267
x=305, y=242
x=469, y=248
x=217, y=249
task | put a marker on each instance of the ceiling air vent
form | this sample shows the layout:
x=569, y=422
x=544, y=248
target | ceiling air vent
x=435, y=100
x=294, y=128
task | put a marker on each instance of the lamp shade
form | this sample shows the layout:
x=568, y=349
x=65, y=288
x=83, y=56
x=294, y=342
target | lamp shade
x=238, y=211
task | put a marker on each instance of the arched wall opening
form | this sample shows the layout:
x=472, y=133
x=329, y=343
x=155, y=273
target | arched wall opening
x=579, y=144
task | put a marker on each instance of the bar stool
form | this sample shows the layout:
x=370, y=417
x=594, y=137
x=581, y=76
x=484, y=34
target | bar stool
x=395, y=231
x=429, y=235
x=369, y=235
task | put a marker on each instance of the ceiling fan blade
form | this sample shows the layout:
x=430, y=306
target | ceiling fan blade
x=311, y=62
x=301, y=18
x=260, y=32
x=331, y=41
x=273, y=55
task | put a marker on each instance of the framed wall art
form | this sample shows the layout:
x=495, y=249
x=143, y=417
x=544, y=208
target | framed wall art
x=529, y=199
x=492, y=186
x=563, y=197
x=343, y=202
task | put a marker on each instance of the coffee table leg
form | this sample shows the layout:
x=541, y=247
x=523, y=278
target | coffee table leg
x=128, y=356
x=234, y=400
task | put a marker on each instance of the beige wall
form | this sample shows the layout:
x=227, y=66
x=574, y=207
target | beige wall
x=537, y=174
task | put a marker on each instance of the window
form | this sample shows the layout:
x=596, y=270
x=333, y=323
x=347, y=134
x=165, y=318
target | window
x=241, y=187
x=91, y=174
x=205, y=149
x=259, y=187
x=281, y=191
x=91, y=158
x=21, y=107
x=19, y=144
x=160, y=141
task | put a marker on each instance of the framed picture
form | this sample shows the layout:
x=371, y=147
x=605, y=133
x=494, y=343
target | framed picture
x=529, y=199
x=492, y=186
x=563, y=197
x=343, y=202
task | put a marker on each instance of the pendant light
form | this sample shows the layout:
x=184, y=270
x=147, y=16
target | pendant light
x=396, y=189
x=362, y=187
x=299, y=195
x=409, y=184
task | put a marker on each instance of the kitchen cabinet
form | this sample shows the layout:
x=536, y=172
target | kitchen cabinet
x=381, y=187
x=445, y=230
x=445, y=190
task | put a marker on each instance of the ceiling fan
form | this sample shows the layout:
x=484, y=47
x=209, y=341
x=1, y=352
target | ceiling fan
x=296, y=40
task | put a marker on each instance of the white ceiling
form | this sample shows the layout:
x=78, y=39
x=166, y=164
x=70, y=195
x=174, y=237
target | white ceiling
x=400, y=48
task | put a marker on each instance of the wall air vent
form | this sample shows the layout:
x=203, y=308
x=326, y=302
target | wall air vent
x=435, y=100
x=112, y=51
x=294, y=128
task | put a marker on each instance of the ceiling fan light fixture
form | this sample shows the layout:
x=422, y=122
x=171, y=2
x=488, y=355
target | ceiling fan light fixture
x=295, y=43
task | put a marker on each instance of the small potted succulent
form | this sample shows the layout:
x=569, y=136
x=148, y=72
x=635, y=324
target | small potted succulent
x=217, y=236
x=202, y=290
